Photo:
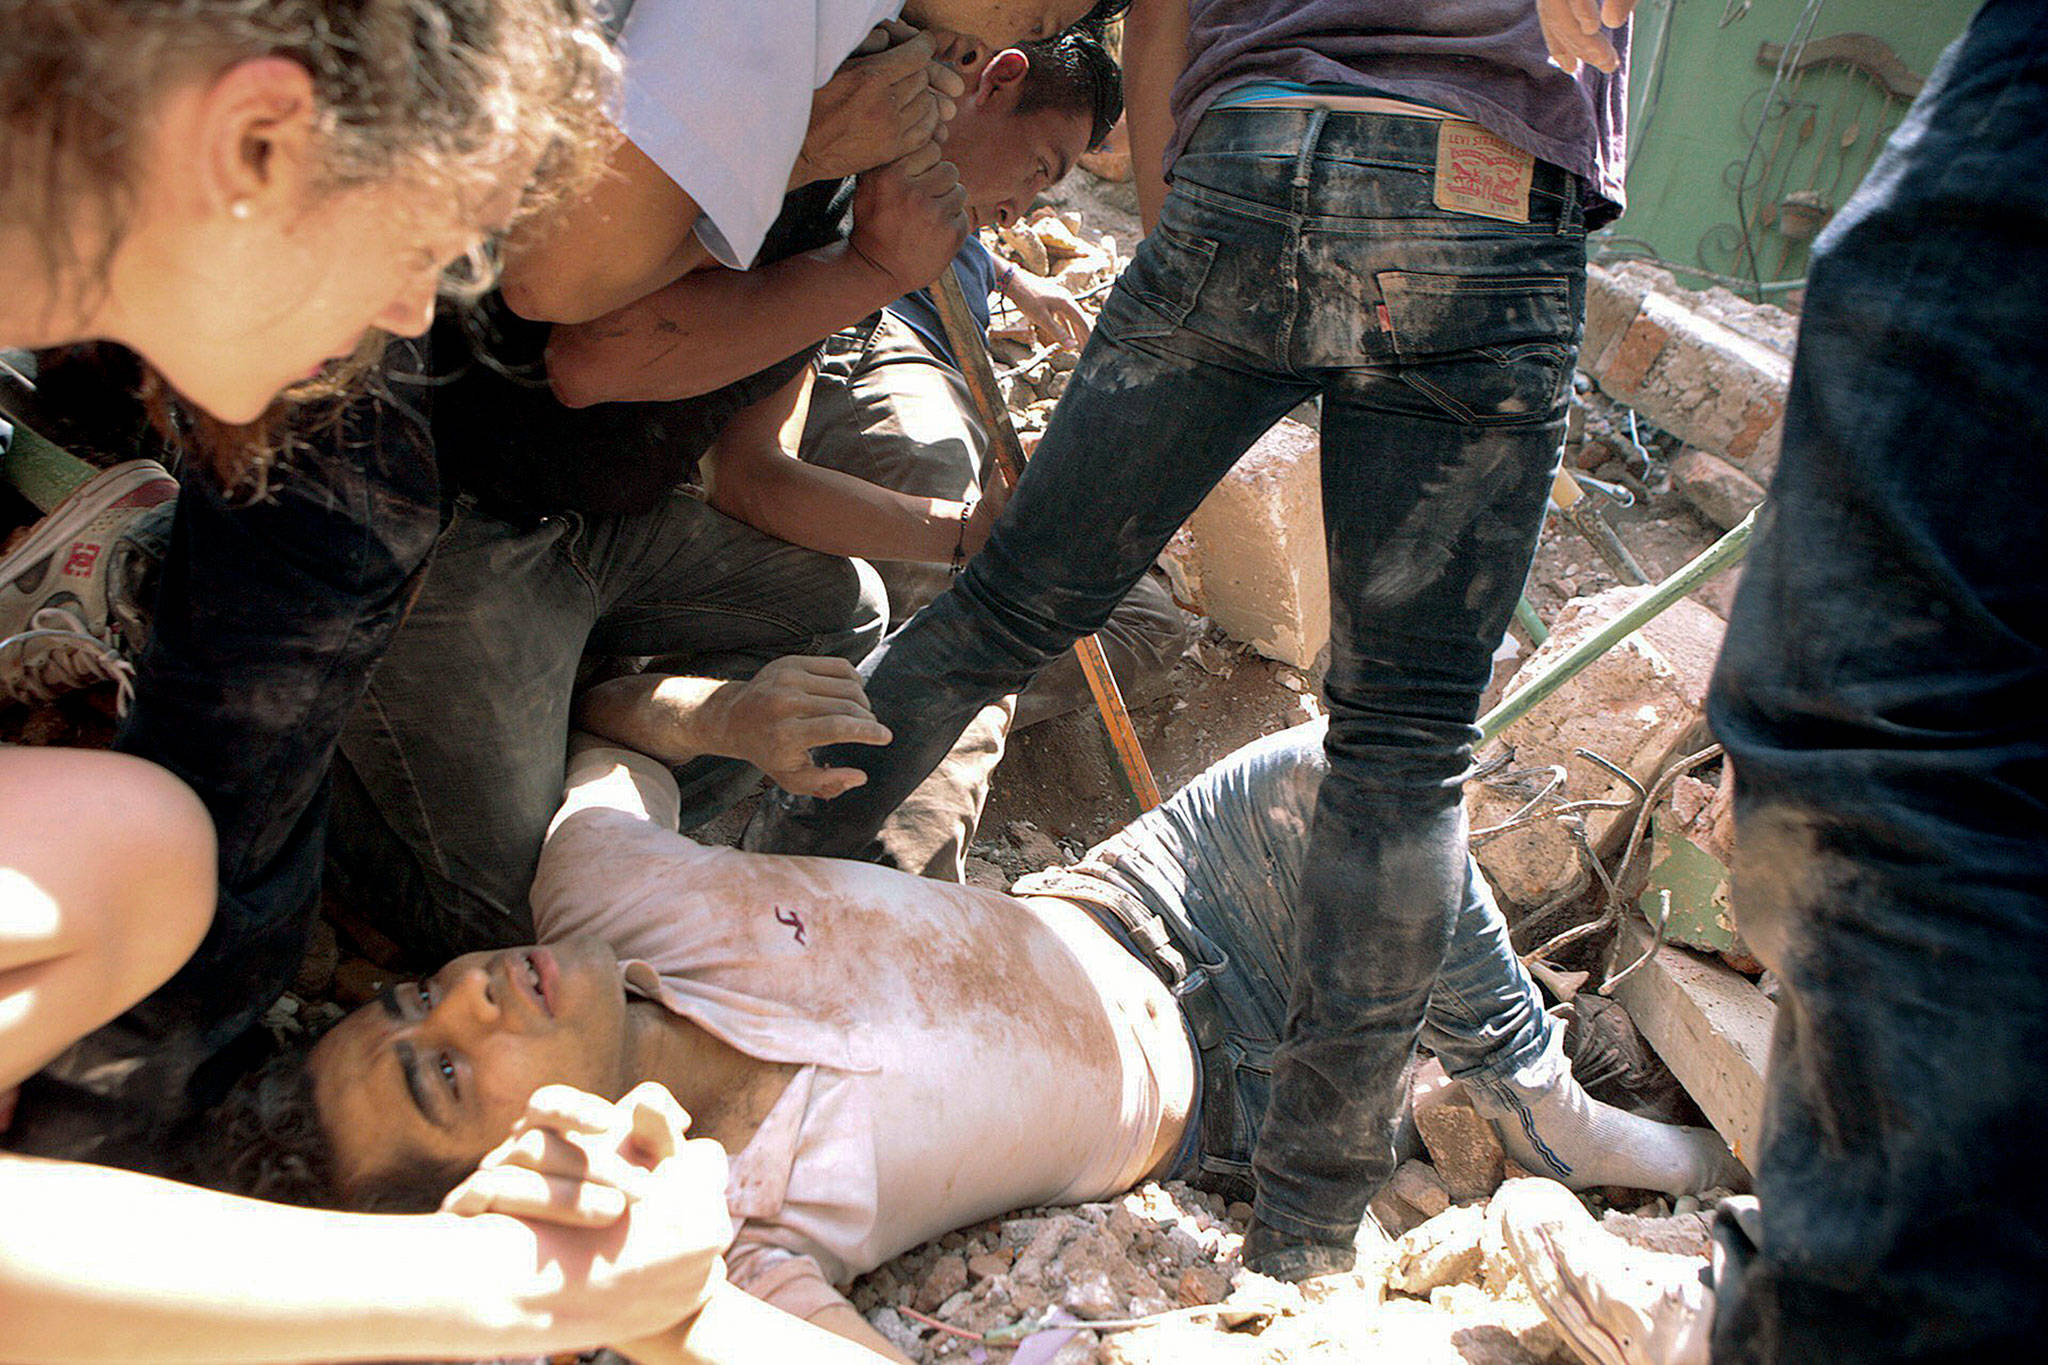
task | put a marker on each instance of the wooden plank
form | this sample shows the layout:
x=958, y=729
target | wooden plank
x=1709, y=1023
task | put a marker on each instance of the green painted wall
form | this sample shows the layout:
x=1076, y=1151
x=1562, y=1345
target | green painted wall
x=1701, y=107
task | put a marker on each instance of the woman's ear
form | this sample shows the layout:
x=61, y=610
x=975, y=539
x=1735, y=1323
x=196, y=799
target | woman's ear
x=255, y=138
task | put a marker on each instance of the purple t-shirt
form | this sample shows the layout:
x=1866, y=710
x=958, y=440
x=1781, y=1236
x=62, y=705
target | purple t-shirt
x=1482, y=59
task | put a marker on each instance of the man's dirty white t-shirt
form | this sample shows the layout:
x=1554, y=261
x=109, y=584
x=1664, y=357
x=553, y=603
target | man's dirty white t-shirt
x=963, y=1053
x=719, y=97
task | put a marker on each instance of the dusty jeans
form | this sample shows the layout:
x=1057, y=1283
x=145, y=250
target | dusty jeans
x=452, y=766
x=889, y=409
x=1298, y=253
x=1221, y=865
x=1881, y=693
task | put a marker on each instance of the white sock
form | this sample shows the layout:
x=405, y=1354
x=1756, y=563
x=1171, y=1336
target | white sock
x=1552, y=1127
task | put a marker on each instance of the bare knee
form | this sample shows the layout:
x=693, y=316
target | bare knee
x=123, y=851
x=168, y=867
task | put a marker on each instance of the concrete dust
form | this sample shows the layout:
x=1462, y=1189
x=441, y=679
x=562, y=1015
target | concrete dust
x=1027, y=1286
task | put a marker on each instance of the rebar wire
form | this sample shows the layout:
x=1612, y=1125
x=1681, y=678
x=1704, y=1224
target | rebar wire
x=1556, y=776
x=1612, y=909
x=1657, y=927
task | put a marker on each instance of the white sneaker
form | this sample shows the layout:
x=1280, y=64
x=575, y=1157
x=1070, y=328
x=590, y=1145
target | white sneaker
x=66, y=559
x=57, y=654
x=1615, y=1304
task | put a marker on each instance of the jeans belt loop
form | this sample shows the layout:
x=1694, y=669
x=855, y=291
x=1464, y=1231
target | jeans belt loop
x=1571, y=199
x=1310, y=136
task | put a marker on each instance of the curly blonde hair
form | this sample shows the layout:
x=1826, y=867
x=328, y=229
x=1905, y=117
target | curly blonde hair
x=445, y=92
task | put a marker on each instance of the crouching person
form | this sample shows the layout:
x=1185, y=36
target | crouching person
x=888, y=1057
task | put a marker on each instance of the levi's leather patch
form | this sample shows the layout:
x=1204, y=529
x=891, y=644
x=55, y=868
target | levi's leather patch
x=1479, y=173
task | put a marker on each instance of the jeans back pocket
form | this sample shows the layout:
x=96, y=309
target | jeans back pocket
x=1490, y=350
x=1159, y=288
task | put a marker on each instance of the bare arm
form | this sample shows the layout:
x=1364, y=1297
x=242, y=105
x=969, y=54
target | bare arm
x=708, y=329
x=630, y=235
x=772, y=720
x=1155, y=53
x=634, y=233
x=711, y=328
x=753, y=475
x=100, y=1265
x=595, y=1221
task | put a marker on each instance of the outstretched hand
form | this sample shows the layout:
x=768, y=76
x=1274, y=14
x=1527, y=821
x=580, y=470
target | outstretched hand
x=1573, y=31
x=1055, y=318
x=631, y=1214
x=793, y=705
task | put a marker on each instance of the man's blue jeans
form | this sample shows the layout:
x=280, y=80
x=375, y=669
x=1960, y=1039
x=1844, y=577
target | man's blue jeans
x=1299, y=254
x=1884, y=695
x=1221, y=864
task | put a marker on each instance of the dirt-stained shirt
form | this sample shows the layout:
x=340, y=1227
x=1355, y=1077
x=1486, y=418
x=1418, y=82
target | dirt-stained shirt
x=961, y=1052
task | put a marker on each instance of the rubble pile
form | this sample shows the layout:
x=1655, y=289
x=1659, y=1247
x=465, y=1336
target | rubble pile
x=1154, y=1278
x=1053, y=245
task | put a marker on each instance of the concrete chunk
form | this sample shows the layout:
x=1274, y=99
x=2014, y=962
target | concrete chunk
x=1636, y=706
x=1711, y=1026
x=1697, y=365
x=1252, y=557
x=1717, y=490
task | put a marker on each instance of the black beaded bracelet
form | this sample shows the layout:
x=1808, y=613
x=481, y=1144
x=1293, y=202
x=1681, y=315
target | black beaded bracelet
x=960, y=545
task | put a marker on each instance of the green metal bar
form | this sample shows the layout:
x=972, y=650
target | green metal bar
x=46, y=474
x=1531, y=623
x=1728, y=550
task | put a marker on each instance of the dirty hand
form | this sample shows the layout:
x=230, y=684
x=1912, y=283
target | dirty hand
x=1572, y=30
x=910, y=218
x=774, y=720
x=892, y=96
x=630, y=1217
x=1054, y=316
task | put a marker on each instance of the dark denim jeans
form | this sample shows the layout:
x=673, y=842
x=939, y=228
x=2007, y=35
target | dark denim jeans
x=1299, y=253
x=452, y=766
x=269, y=617
x=1221, y=864
x=1884, y=695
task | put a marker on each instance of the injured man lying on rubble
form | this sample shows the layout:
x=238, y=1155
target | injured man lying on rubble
x=888, y=1057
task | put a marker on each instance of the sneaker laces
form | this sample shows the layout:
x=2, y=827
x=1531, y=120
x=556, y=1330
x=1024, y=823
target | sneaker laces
x=58, y=653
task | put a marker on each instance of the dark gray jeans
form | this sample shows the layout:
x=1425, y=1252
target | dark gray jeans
x=889, y=409
x=1884, y=695
x=1298, y=253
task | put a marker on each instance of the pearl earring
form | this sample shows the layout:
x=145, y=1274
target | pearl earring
x=240, y=210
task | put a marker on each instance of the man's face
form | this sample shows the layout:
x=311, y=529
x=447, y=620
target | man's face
x=998, y=23
x=1007, y=159
x=440, y=1071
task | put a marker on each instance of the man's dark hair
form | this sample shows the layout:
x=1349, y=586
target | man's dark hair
x=1074, y=73
x=267, y=1141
